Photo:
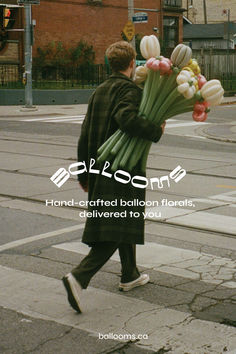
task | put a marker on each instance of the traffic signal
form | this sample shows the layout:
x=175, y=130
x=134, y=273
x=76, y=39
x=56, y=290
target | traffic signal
x=7, y=16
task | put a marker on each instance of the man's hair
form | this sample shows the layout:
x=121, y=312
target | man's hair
x=119, y=55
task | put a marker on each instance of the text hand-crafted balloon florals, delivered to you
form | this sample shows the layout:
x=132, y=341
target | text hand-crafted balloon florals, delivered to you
x=170, y=87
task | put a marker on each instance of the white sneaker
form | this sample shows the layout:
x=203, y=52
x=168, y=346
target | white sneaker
x=142, y=280
x=73, y=289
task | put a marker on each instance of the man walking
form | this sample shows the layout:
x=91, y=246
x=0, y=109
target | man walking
x=114, y=105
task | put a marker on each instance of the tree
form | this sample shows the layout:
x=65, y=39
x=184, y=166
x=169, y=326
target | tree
x=55, y=54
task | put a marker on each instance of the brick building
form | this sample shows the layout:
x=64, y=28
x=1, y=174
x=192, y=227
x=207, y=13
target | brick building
x=98, y=22
x=214, y=8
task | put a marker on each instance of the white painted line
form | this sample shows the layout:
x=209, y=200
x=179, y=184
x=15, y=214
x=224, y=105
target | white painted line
x=51, y=118
x=172, y=260
x=149, y=255
x=207, y=221
x=81, y=122
x=163, y=212
x=42, y=209
x=187, y=124
x=105, y=312
x=25, y=240
x=209, y=201
x=43, y=297
x=227, y=196
x=195, y=136
x=64, y=120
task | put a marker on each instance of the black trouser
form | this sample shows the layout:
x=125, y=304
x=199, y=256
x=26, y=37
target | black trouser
x=100, y=254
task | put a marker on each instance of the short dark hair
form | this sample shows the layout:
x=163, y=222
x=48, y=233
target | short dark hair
x=119, y=55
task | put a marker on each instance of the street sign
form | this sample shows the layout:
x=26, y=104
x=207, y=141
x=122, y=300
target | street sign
x=129, y=30
x=28, y=2
x=140, y=17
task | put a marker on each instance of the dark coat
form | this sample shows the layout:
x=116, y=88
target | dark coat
x=113, y=105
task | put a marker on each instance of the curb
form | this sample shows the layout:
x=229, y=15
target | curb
x=226, y=103
x=225, y=140
x=201, y=132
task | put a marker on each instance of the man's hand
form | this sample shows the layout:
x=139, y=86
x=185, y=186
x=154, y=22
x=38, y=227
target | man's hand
x=163, y=127
x=84, y=186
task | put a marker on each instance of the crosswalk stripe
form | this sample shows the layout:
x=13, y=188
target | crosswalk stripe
x=34, y=238
x=105, y=312
x=64, y=120
x=77, y=122
x=80, y=118
x=52, y=118
x=176, y=261
x=195, y=136
x=207, y=221
x=186, y=124
x=193, y=218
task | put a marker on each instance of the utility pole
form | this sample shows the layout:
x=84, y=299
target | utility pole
x=227, y=12
x=28, y=56
x=130, y=17
x=228, y=39
x=205, y=11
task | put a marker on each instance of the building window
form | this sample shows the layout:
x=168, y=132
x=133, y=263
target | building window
x=171, y=31
x=173, y=3
x=94, y=2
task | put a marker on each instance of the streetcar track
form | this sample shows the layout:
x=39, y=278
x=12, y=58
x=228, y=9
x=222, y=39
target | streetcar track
x=196, y=173
x=148, y=168
x=36, y=155
x=168, y=193
x=167, y=223
x=75, y=146
x=37, y=142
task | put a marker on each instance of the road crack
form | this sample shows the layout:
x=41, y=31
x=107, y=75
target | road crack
x=62, y=335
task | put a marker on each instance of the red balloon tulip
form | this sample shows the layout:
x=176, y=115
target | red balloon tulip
x=199, y=107
x=199, y=116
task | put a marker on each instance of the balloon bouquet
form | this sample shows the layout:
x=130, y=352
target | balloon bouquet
x=170, y=87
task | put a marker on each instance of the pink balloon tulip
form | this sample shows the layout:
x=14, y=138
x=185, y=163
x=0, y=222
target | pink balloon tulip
x=155, y=65
x=150, y=62
x=201, y=80
x=164, y=66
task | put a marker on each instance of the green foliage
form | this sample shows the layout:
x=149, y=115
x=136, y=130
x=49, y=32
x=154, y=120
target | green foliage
x=82, y=54
x=138, y=38
x=55, y=54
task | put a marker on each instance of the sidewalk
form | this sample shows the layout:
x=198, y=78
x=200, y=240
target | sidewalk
x=18, y=111
x=49, y=110
x=229, y=100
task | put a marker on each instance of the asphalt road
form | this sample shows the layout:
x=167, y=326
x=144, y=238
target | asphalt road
x=190, y=250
